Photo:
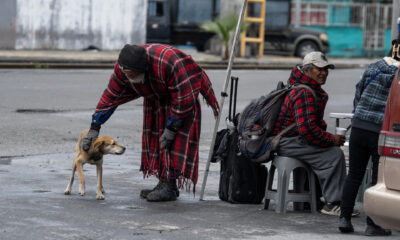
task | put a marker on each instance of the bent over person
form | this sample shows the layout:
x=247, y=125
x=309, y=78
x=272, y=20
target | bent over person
x=309, y=141
x=170, y=82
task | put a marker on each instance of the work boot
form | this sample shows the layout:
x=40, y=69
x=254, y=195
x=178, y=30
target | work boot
x=167, y=191
x=145, y=192
x=345, y=225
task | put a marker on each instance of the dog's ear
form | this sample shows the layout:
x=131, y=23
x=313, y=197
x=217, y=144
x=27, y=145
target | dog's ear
x=97, y=145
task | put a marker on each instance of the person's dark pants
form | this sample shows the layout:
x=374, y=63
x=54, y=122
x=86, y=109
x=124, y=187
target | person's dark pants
x=363, y=145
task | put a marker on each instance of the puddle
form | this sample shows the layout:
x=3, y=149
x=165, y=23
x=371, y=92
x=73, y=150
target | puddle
x=161, y=228
x=131, y=207
x=40, y=191
x=38, y=110
x=5, y=161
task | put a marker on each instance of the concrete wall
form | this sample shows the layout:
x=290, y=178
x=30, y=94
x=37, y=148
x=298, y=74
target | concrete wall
x=8, y=10
x=74, y=24
x=231, y=6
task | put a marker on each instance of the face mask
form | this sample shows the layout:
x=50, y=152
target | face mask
x=137, y=79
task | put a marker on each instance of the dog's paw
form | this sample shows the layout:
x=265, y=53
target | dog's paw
x=67, y=192
x=100, y=197
x=82, y=193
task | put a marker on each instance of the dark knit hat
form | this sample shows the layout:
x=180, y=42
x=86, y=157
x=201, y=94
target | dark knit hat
x=133, y=57
x=395, y=50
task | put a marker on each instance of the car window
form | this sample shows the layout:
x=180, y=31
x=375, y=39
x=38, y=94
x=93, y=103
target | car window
x=156, y=9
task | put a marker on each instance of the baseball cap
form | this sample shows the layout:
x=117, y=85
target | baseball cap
x=318, y=59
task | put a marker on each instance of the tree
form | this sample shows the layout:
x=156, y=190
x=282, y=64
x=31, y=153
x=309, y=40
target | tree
x=223, y=27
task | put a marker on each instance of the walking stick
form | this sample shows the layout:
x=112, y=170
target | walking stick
x=223, y=95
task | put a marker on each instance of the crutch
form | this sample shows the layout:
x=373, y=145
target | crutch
x=223, y=95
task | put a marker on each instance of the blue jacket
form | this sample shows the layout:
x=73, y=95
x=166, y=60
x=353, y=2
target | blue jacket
x=371, y=94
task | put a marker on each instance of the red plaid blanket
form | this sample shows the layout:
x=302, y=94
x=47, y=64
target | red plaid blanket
x=173, y=83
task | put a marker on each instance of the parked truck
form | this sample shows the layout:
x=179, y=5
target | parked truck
x=177, y=22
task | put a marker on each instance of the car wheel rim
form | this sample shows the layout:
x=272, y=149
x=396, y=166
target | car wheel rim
x=306, y=49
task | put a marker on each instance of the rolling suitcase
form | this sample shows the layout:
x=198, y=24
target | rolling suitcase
x=241, y=180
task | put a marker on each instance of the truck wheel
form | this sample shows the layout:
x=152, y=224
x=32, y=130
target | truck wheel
x=201, y=47
x=305, y=47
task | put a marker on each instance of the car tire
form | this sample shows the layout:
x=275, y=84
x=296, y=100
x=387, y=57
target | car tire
x=305, y=47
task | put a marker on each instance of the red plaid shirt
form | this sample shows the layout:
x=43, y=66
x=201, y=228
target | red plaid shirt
x=300, y=106
x=171, y=88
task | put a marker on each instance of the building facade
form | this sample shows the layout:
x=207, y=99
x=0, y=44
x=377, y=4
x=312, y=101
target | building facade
x=354, y=28
x=71, y=24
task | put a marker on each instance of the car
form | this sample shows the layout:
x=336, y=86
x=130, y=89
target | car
x=294, y=41
x=382, y=201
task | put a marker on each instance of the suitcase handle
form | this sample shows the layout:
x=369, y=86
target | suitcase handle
x=233, y=98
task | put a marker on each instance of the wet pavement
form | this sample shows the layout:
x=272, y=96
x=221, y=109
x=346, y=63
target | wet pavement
x=33, y=206
x=43, y=112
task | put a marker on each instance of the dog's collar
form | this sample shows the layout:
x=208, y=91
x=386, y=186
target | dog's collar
x=97, y=158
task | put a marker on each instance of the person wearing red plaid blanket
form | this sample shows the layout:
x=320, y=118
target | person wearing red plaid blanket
x=169, y=82
x=309, y=141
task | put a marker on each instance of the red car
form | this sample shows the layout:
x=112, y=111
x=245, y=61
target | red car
x=382, y=201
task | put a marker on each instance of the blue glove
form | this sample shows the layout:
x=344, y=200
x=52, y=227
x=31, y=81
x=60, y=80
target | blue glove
x=169, y=134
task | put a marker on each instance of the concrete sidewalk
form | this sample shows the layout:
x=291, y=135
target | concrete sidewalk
x=106, y=59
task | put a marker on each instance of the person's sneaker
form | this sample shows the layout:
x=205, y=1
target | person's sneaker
x=345, y=225
x=167, y=191
x=334, y=210
x=355, y=213
x=377, y=231
x=331, y=209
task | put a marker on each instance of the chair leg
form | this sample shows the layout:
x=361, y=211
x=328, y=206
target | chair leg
x=282, y=192
x=313, y=192
x=268, y=187
x=271, y=177
x=299, y=175
x=266, y=203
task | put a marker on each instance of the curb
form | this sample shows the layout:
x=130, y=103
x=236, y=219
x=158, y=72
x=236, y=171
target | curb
x=203, y=64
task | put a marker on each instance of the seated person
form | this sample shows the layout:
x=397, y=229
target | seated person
x=309, y=141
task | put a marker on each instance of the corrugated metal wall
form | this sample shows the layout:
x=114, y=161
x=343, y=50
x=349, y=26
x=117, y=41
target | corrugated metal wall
x=75, y=24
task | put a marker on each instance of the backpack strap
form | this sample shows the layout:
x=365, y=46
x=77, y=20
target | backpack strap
x=299, y=85
x=372, y=78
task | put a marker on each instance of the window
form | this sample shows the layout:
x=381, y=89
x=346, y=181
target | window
x=156, y=9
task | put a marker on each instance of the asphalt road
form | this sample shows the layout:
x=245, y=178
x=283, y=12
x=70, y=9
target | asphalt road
x=42, y=114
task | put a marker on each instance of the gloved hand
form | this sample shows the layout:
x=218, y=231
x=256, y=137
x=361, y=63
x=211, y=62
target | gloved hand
x=89, y=138
x=167, y=138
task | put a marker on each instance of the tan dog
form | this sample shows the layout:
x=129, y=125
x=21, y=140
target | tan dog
x=101, y=146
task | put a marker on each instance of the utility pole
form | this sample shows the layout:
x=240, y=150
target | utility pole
x=297, y=13
x=395, y=17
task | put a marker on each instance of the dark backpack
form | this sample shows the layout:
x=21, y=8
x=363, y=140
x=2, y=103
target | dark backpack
x=257, y=122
